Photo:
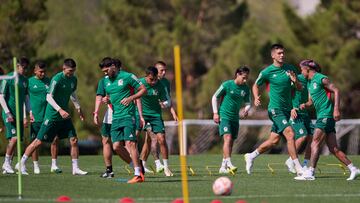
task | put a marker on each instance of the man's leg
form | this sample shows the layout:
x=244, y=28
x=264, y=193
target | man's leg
x=341, y=156
x=145, y=151
x=54, y=148
x=307, y=151
x=28, y=152
x=75, y=157
x=227, y=148
x=8, y=156
x=164, y=152
x=272, y=141
x=139, y=177
x=107, y=155
x=289, y=162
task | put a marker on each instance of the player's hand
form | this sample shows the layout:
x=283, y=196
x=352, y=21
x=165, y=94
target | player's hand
x=106, y=99
x=81, y=115
x=162, y=105
x=302, y=106
x=126, y=101
x=9, y=117
x=336, y=114
x=142, y=122
x=25, y=123
x=64, y=114
x=292, y=76
x=257, y=101
x=244, y=113
x=216, y=118
x=293, y=114
x=32, y=119
x=96, y=118
x=176, y=119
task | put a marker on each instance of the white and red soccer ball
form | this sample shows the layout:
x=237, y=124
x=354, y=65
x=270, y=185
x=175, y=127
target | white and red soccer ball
x=222, y=186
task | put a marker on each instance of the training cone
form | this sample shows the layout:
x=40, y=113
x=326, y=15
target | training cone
x=126, y=200
x=63, y=198
x=241, y=201
x=178, y=200
x=216, y=201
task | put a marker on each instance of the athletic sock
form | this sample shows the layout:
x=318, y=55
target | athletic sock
x=144, y=163
x=137, y=171
x=165, y=163
x=23, y=159
x=157, y=163
x=297, y=165
x=8, y=159
x=36, y=163
x=109, y=169
x=75, y=164
x=351, y=167
x=254, y=154
x=53, y=163
x=223, y=163
x=289, y=159
x=306, y=161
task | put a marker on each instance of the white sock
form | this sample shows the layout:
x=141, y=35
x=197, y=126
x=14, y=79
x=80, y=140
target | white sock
x=53, y=163
x=144, y=164
x=165, y=163
x=305, y=162
x=228, y=162
x=75, y=164
x=351, y=167
x=297, y=165
x=254, y=154
x=157, y=163
x=23, y=160
x=36, y=164
x=289, y=159
x=223, y=163
x=8, y=159
x=137, y=171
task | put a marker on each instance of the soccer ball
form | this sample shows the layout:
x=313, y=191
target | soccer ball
x=222, y=186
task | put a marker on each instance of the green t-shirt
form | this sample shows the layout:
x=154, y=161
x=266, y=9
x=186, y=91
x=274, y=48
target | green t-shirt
x=101, y=87
x=61, y=88
x=120, y=87
x=166, y=84
x=233, y=97
x=301, y=96
x=150, y=101
x=37, y=92
x=322, y=102
x=8, y=90
x=280, y=85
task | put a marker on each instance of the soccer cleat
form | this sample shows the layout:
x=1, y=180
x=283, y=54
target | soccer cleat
x=107, y=175
x=55, y=170
x=78, y=171
x=142, y=176
x=233, y=169
x=223, y=170
x=135, y=179
x=168, y=172
x=23, y=169
x=36, y=169
x=307, y=175
x=249, y=163
x=354, y=174
x=7, y=169
x=148, y=170
x=291, y=166
x=159, y=168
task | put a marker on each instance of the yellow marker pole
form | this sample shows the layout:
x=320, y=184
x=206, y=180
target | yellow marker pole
x=178, y=83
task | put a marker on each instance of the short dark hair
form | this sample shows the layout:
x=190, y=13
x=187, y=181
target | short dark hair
x=69, y=62
x=276, y=46
x=161, y=63
x=311, y=64
x=41, y=64
x=117, y=63
x=151, y=70
x=102, y=62
x=107, y=62
x=23, y=61
x=241, y=70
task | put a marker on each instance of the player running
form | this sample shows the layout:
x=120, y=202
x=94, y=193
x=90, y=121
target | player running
x=8, y=104
x=232, y=94
x=57, y=120
x=38, y=87
x=280, y=77
x=327, y=113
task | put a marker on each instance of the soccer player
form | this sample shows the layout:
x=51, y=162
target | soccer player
x=38, y=87
x=301, y=123
x=280, y=77
x=119, y=86
x=106, y=125
x=327, y=113
x=57, y=120
x=161, y=67
x=152, y=103
x=233, y=94
x=8, y=103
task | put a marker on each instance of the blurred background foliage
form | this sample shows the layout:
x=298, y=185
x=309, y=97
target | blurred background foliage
x=215, y=36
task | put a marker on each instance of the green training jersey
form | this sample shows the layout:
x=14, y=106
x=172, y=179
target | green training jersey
x=322, y=102
x=233, y=97
x=61, y=88
x=301, y=96
x=280, y=85
x=120, y=87
x=37, y=92
x=8, y=90
x=101, y=87
x=166, y=84
x=150, y=101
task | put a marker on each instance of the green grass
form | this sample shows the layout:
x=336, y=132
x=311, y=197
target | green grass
x=261, y=186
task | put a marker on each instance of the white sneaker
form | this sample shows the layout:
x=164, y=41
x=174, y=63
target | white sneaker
x=249, y=163
x=23, y=169
x=290, y=165
x=7, y=169
x=354, y=174
x=148, y=170
x=307, y=175
x=168, y=172
x=55, y=169
x=78, y=171
x=223, y=170
x=36, y=169
x=159, y=168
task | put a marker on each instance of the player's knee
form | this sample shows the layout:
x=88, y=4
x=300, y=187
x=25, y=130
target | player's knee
x=161, y=140
x=105, y=140
x=73, y=140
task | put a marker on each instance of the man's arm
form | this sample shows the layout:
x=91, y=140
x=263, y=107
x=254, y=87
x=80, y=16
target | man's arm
x=140, y=91
x=75, y=101
x=330, y=86
x=139, y=107
x=9, y=116
x=98, y=99
x=255, y=91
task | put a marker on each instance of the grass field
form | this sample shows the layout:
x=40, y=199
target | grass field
x=262, y=186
